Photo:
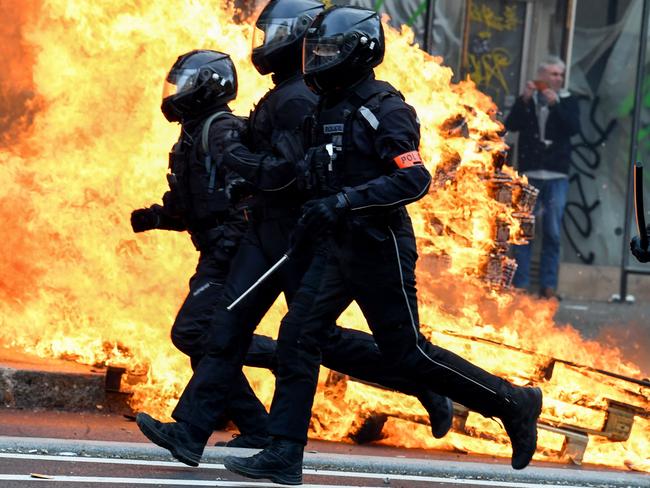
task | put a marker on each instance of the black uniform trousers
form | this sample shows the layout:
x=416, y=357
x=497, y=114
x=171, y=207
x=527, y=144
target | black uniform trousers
x=375, y=266
x=346, y=351
x=189, y=336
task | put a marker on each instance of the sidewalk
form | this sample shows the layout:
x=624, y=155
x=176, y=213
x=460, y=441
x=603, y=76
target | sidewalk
x=622, y=325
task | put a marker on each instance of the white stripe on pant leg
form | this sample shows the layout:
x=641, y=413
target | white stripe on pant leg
x=415, y=328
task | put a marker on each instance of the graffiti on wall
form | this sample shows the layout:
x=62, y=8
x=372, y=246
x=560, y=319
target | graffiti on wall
x=494, y=50
x=578, y=221
x=627, y=108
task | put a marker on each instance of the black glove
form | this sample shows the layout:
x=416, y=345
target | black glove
x=238, y=190
x=144, y=219
x=324, y=213
x=642, y=255
x=299, y=239
x=311, y=169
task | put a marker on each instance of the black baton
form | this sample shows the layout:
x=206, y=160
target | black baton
x=299, y=236
x=638, y=205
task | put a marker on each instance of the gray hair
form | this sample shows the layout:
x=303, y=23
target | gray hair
x=551, y=61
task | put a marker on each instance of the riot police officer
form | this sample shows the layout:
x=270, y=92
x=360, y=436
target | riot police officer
x=196, y=94
x=362, y=169
x=275, y=134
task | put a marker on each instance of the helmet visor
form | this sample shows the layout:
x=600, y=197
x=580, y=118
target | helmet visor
x=179, y=81
x=321, y=53
x=275, y=32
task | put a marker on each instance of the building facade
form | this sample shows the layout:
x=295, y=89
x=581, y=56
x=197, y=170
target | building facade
x=499, y=44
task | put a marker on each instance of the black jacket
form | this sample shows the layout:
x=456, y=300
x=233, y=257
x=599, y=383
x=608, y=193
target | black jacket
x=380, y=129
x=562, y=123
x=276, y=143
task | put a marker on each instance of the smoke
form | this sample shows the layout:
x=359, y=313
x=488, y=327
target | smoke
x=18, y=100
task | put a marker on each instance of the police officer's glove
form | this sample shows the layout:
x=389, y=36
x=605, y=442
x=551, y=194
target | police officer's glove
x=641, y=254
x=238, y=190
x=324, y=213
x=144, y=219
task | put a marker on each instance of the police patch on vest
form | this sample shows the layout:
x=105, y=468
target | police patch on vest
x=408, y=159
x=333, y=129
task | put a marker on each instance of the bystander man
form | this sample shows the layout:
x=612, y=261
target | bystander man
x=546, y=116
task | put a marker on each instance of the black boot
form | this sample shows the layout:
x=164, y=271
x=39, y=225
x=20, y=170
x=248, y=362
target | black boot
x=247, y=441
x=281, y=462
x=520, y=422
x=440, y=410
x=185, y=442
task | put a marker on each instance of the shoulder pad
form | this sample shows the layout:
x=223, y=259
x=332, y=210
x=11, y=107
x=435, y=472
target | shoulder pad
x=372, y=88
x=205, y=132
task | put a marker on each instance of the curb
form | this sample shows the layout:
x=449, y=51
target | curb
x=27, y=382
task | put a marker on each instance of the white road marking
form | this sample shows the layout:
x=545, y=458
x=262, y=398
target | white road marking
x=576, y=307
x=157, y=481
x=318, y=472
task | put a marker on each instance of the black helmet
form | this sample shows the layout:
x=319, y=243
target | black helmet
x=342, y=45
x=199, y=81
x=279, y=30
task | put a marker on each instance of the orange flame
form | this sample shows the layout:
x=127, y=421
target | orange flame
x=86, y=144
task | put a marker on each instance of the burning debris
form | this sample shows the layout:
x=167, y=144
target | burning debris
x=612, y=419
x=75, y=278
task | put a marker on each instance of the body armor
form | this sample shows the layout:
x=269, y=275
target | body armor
x=196, y=183
x=335, y=160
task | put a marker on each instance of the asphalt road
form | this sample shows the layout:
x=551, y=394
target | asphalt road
x=81, y=449
x=68, y=470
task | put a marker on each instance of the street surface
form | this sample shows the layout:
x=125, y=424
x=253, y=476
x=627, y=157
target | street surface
x=84, y=450
x=69, y=470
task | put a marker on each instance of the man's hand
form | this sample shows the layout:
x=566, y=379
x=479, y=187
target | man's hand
x=642, y=255
x=551, y=96
x=528, y=90
x=144, y=219
x=324, y=213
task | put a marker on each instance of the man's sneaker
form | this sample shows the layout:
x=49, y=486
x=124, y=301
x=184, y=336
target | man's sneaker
x=173, y=436
x=440, y=410
x=281, y=462
x=521, y=424
x=246, y=441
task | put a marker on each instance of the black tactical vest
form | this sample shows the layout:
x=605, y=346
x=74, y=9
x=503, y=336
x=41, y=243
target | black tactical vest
x=264, y=123
x=337, y=159
x=196, y=181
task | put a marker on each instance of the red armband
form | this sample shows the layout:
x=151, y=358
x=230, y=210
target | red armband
x=408, y=159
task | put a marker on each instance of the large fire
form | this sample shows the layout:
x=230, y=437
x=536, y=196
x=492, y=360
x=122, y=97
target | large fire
x=84, y=143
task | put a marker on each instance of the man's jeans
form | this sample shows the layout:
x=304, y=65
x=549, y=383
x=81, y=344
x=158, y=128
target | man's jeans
x=550, y=209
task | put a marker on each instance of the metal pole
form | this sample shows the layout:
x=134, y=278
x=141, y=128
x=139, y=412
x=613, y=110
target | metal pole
x=464, y=62
x=524, y=69
x=428, y=25
x=570, y=26
x=634, y=147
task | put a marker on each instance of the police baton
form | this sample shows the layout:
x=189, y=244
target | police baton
x=297, y=237
x=638, y=205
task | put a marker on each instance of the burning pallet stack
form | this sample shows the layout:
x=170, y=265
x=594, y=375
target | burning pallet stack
x=610, y=419
x=500, y=269
x=511, y=192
